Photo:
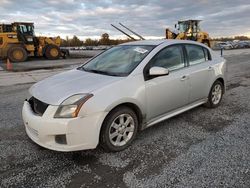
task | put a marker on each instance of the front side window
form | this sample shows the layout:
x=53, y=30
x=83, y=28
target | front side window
x=170, y=58
x=119, y=60
x=195, y=54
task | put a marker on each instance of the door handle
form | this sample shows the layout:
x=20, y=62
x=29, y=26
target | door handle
x=184, y=78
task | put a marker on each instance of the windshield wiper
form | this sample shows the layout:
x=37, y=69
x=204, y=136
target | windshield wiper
x=96, y=71
x=102, y=72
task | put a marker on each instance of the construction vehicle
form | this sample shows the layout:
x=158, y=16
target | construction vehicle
x=189, y=30
x=18, y=42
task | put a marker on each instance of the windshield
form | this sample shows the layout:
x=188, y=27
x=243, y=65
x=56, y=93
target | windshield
x=118, y=61
x=26, y=29
x=183, y=27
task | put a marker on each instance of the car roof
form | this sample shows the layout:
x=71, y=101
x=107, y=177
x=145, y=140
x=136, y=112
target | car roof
x=145, y=42
x=161, y=41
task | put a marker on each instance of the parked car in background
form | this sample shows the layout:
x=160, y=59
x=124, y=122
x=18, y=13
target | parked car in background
x=235, y=44
x=242, y=44
x=225, y=45
x=123, y=90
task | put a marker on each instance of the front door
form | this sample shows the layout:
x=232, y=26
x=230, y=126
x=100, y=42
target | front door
x=169, y=92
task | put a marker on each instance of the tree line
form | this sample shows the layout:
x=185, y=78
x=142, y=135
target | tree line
x=104, y=40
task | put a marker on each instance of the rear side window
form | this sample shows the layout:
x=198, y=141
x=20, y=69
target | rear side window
x=1, y=40
x=207, y=54
x=195, y=54
x=170, y=58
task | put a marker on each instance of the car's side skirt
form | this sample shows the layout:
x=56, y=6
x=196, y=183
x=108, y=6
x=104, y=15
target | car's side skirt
x=174, y=113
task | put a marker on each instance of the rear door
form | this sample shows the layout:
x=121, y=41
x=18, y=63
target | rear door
x=200, y=71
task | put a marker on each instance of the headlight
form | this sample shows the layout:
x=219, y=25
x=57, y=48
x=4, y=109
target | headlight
x=12, y=36
x=71, y=106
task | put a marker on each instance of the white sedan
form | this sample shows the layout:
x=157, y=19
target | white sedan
x=121, y=91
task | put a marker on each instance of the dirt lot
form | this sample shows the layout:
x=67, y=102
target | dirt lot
x=200, y=148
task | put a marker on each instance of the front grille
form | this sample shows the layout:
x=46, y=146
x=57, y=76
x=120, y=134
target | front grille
x=38, y=106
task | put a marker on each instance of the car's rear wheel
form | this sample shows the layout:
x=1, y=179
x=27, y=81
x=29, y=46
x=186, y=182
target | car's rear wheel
x=119, y=129
x=215, y=95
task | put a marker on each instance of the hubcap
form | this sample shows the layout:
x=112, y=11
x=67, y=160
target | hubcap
x=54, y=52
x=121, y=130
x=216, y=94
x=18, y=54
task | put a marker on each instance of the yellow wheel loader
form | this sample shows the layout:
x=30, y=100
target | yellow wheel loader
x=18, y=42
x=189, y=30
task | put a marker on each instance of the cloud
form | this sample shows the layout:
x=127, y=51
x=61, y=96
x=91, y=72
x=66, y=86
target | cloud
x=91, y=18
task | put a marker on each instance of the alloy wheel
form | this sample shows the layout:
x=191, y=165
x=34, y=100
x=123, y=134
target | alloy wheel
x=121, y=130
x=216, y=94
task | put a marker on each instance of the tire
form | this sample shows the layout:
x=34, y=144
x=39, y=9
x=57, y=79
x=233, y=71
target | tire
x=52, y=52
x=17, y=54
x=116, y=135
x=215, y=95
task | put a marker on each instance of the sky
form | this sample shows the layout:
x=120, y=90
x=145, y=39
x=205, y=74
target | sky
x=91, y=18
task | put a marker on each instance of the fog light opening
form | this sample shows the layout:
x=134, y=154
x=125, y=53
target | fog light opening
x=61, y=139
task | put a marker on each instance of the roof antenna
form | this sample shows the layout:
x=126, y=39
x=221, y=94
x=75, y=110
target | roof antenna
x=132, y=31
x=123, y=32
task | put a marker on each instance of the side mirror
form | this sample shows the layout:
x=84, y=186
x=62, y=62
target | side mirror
x=158, y=71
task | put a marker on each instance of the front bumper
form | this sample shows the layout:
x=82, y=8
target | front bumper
x=81, y=133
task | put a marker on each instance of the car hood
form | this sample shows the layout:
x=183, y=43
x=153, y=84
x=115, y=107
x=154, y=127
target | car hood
x=55, y=89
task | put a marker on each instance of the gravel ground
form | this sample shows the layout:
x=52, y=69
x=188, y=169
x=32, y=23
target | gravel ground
x=199, y=148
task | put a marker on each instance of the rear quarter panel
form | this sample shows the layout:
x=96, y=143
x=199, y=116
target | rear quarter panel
x=220, y=68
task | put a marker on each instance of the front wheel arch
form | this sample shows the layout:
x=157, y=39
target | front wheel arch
x=133, y=107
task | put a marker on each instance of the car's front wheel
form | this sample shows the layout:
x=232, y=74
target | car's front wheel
x=119, y=129
x=215, y=95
